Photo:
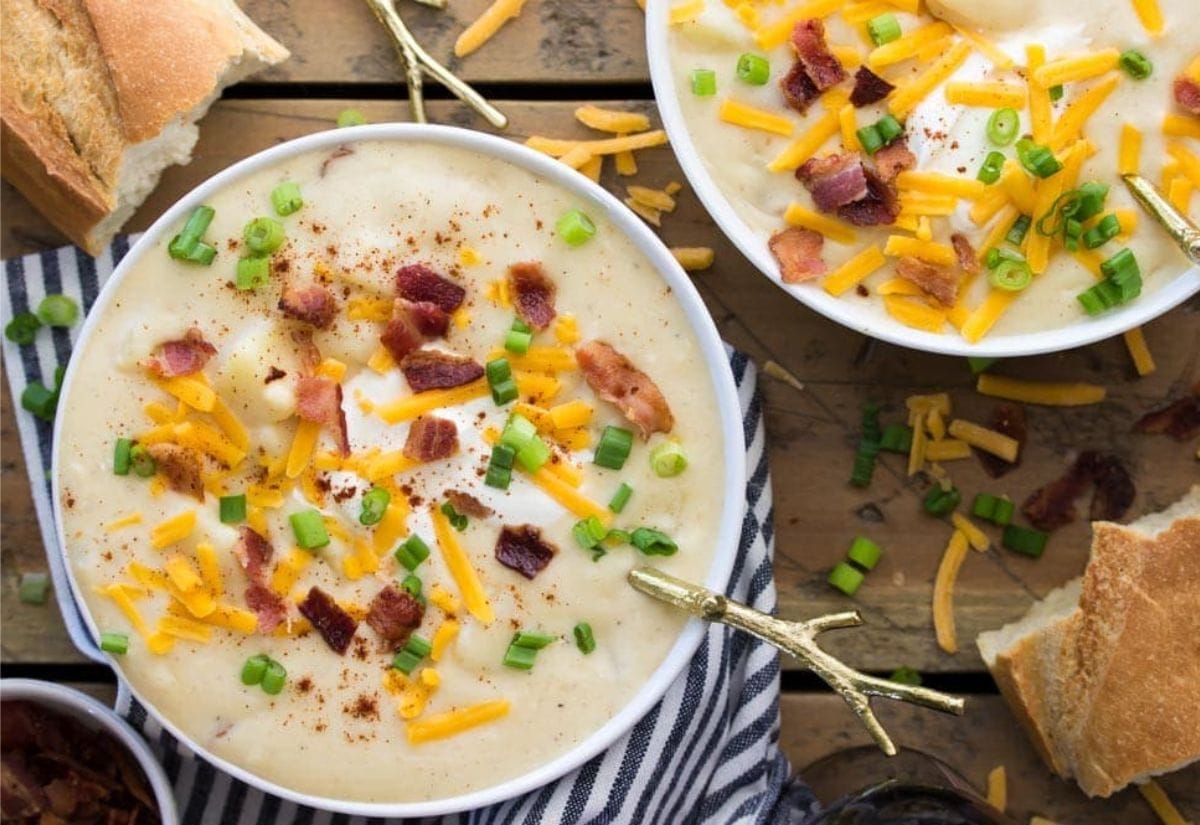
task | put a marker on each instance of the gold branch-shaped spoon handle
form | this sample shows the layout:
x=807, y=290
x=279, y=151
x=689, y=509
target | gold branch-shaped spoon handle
x=418, y=61
x=800, y=640
x=1181, y=230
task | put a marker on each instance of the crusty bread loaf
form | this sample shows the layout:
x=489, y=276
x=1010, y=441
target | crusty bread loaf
x=1104, y=672
x=98, y=97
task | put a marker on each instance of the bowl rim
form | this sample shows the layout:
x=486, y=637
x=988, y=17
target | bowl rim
x=837, y=309
x=725, y=393
x=85, y=708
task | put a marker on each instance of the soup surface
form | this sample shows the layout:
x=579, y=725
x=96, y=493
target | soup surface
x=228, y=391
x=952, y=64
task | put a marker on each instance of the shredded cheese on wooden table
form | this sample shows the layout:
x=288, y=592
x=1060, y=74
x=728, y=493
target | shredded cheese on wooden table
x=943, y=592
x=486, y=26
x=1037, y=392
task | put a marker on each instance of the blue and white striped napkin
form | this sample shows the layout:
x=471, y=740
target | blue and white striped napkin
x=707, y=753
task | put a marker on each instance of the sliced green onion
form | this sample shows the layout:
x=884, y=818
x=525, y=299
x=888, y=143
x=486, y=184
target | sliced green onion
x=499, y=470
x=589, y=532
x=1104, y=231
x=418, y=646
x=309, y=529
x=121, y=457
x=896, y=438
x=521, y=658
x=22, y=328
x=883, y=29
x=870, y=422
x=704, y=82
x=201, y=253
x=1091, y=200
x=263, y=235
x=1011, y=276
x=870, y=139
x=864, y=463
x=1004, y=511
x=1136, y=64
x=575, y=228
x=141, y=461
x=998, y=254
x=233, y=509
x=114, y=643
x=1122, y=262
x=518, y=432
x=984, y=506
x=374, y=504
x=182, y=245
x=906, y=676
x=274, y=678
x=412, y=583
x=864, y=552
x=1037, y=160
x=286, y=199
x=252, y=272
x=753, y=69
x=1055, y=92
x=889, y=128
x=939, y=501
x=518, y=341
x=1024, y=540
x=846, y=578
x=1098, y=298
x=406, y=661
x=412, y=552
x=500, y=380
x=620, y=498
x=457, y=520
x=33, y=588
x=255, y=668
x=652, y=542
x=58, y=311
x=980, y=364
x=1017, y=232
x=532, y=640
x=989, y=171
x=614, y=447
x=584, y=640
x=1003, y=125
x=534, y=455
x=668, y=459
x=350, y=117
x=520, y=326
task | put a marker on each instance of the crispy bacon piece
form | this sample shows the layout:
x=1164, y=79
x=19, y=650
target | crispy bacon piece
x=467, y=504
x=834, y=180
x=533, y=293
x=869, y=88
x=1179, y=419
x=419, y=283
x=431, y=438
x=319, y=400
x=965, y=252
x=615, y=379
x=306, y=349
x=815, y=69
x=1008, y=419
x=1053, y=505
x=401, y=336
x=939, y=281
x=311, y=304
x=798, y=252
x=1187, y=94
x=394, y=614
x=180, y=467
x=429, y=319
x=183, y=356
x=254, y=552
x=799, y=91
x=893, y=159
x=335, y=625
x=429, y=369
x=523, y=549
x=879, y=208
x=1114, y=489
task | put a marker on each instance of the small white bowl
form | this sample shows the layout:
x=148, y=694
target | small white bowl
x=853, y=314
x=94, y=715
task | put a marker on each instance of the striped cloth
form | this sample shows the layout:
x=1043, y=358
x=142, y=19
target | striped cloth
x=707, y=753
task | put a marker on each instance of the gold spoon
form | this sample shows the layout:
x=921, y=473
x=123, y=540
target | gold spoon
x=418, y=61
x=1183, y=231
x=800, y=640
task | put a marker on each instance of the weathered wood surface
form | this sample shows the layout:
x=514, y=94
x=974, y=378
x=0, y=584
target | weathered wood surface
x=811, y=433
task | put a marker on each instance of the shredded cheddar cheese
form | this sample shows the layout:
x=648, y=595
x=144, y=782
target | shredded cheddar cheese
x=831, y=228
x=743, y=114
x=461, y=569
x=486, y=25
x=949, y=449
x=997, y=788
x=612, y=120
x=905, y=99
x=982, y=438
x=456, y=721
x=854, y=270
x=1037, y=392
x=693, y=258
x=233, y=618
x=406, y=409
x=916, y=314
x=120, y=522
x=1135, y=342
x=992, y=95
x=369, y=309
x=935, y=253
x=653, y=198
x=303, y=443
x=1157, y=798
x=571, y=499
x=907, y=46
x=446, y=601
x=976, y=537
x=1070, y=123
x=986, y=314
x=443, y=637
x=936, y=183
x=566, y=329
x=184, y=628
x=210, y=569
x=173, y=530
x=1149, y=14
x=777, y=33
x=1074, y=68
x=605, y=146
x=1039, y=98
x=943, y=592
x=191, y=391
x=592, y=168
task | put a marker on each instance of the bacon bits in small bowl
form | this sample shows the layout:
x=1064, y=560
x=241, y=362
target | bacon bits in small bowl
x=357, y=449
x=945, y=176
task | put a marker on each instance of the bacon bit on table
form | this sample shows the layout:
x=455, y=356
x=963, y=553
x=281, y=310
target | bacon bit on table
x=394, y=614
x=467, y=504
x=183, y=356
x=869, y=88
x=524, y=550
x=965, y=252
x=533, y=293
x=253, y=553
x=893, y=159
x=180, y=467
x=798, y=252
x=429, y=369
x=431, y=438
x=1187, y=94
x=1114, y=489
x=815, y=69
x=336, y=626
x=311, y=304
x=615, y=379
x=940, y=282
x=1179, y=419
x=417, y=282
x=1009, y=420
x=1053, y=505
x=319, y=400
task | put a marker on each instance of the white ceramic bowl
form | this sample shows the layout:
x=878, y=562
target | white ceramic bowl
x=854, y=314
x=724, y=395
x=94, y=715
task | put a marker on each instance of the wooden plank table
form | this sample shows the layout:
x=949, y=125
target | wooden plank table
x=559, y=53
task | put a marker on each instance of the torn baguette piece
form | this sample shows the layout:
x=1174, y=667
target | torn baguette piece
x=98, y=97
x=1102, y=673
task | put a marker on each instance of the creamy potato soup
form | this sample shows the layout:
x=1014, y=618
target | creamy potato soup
x=955, y=163
x=357, y=498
